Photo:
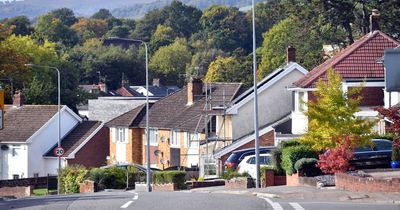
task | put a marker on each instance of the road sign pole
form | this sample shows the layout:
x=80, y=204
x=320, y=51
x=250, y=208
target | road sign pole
x=1, y=108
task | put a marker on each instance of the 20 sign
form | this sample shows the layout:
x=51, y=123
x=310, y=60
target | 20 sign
x=58, y=151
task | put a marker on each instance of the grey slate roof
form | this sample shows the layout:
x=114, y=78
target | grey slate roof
x=76, y=137
x=21, y=123
x=127, y=119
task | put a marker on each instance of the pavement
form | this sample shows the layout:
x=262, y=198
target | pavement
x=328, y=194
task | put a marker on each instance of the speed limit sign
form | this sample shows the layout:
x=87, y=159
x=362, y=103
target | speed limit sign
x=58, y=151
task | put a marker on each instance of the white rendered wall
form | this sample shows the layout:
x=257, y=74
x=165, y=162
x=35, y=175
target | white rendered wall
x=16, y=164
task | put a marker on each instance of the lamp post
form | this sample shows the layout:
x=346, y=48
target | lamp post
x=256, y=137
x=59, y=116
x=147, y=106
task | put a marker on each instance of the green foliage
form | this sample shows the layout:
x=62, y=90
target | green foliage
x=20, y=25
x=291, y=143
x=65, y=15
x=200, y=179
x=228, y=69
x=163, y=36
x=230, y=174
x=109, y=178
x=170, y=61
x=304, y=163
x=290, y=155
x=331, y=116
x=289, y=32
x=51, y=28
x=164, y=177
x=276, y=161
x=70, y=178
x=90, y=28
x=102, y=14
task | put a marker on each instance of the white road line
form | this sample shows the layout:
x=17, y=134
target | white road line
x=136, y=196
x=126, y=205
x=275, y=206
x=296, y=206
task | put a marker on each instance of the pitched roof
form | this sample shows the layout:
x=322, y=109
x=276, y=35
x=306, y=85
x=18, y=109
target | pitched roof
x=127, y=91
x=129, y=118
x=357, y=61
x=76, y=137
x=21, y=123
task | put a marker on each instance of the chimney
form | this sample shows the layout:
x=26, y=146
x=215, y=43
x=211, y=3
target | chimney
x=194, y=89
x=18, y=100
x=290, y=54
x=156, y=82
x=374, y=20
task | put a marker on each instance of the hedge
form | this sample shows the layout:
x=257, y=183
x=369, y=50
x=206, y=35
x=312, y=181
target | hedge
x=164, y=177
x=230, y=174
x=294, y=153
x=70, y=178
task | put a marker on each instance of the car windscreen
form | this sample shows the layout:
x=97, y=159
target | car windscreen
x=233, y=157
x=383, y=145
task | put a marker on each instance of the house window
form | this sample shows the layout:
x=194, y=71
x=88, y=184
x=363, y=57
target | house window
x=153, y=136
x=15, y=176
x=121, y=136
x=186, y=139
x=193, y=140
x=16, y=151
x=175, y=138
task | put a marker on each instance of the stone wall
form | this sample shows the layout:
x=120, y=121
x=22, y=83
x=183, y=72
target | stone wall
x=16, y=191
x=239, y=183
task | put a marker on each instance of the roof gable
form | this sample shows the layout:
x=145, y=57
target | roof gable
x=357, y=61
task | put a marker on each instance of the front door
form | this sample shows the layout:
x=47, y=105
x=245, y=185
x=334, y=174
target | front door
x=121, y=152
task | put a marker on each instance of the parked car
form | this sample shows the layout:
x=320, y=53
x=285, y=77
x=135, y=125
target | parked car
x=248, y=164
x=237, y=156
x=377, y=155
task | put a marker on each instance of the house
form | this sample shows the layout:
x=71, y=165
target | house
x=177, y=126
x=275, y=104
x=356, y=64
x=31, y=131
x=155, y=90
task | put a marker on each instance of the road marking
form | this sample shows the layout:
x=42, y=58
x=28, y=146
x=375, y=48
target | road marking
x=296, y=206
x=126, y=205
x=136, y=196
x=275, y=206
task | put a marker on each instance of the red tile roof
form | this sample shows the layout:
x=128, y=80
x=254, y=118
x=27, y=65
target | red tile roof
x=357, y=61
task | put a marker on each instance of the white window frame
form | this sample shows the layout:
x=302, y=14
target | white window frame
x=175, y=139
x=194, y=140
x=152, y=142
x=121, y=135
x=17, y=150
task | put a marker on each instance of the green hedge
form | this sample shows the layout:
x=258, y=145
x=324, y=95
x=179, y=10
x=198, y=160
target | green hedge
x=115, y=177
x=290, y=155
x=230, y=174
x=70, y=178
x=164, y=177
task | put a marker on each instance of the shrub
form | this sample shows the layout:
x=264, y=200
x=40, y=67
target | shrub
x=164, y=177
x=337, y=159
x=200, y=179
x=292, y=154
x=276, y=161
x=109, y=178
x=307, y=167
x=290, y=143
x=395, y=154
x=70, y=178
x=230, y=174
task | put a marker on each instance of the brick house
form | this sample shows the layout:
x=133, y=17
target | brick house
x=30, y=133
x=356, y=64
x=177, y=126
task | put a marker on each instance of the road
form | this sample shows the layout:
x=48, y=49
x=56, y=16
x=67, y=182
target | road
x=180, y=201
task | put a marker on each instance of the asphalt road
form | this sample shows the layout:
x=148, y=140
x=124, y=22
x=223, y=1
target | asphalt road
x=180, y=201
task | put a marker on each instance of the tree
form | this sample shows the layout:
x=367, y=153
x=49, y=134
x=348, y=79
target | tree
x=65, y=15
x=148, y=24
x=289, y=32
x=331, y=116
x=201, y=60
x=90, y=28
x=226, y=28
x=183, y=19
x=51, y=28
x=228, y=69
x=169, y=62
x=20, y=25
x=164, y=35
x=119, y=31
x=102, y=14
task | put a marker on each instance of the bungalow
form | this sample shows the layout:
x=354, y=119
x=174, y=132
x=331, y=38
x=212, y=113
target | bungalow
x=356, y=64
x=30, y=134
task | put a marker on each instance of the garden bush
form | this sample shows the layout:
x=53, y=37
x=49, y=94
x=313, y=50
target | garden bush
x=164, y=177
x=294, y=153
x=70, y=178
x=230, y=174
x=276, y=161
x=307, y=167
x=337, y=159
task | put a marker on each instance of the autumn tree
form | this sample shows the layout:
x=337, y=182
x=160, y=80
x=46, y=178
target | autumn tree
x=229, y=69
x=51, y=28
x=19, y=25
x=90, y=28
x=331, y=117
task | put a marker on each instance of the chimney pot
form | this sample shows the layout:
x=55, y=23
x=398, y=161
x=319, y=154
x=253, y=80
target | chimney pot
x=194, y=89
x=374, y=20
x=18, y=100
x=290, y=54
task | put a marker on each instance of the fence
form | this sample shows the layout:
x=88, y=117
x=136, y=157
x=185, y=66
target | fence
x=49, y=182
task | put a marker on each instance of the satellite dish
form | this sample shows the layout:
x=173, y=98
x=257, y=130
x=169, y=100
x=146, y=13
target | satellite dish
x=162, y=161
x=157, y=153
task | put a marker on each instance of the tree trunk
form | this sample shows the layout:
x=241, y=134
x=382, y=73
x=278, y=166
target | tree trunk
x=349, y=32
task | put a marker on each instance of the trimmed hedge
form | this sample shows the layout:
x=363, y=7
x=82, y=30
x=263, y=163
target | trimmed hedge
x=70, y=177
x=307, y=167
x=290, y=155
x=164, y=177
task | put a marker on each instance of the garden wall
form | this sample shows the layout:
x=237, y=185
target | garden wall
x=366, y=184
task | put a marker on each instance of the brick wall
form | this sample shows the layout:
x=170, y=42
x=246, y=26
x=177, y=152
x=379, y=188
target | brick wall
x=267, y=139
x=95, y=151
x=135, y=145
x=367, y=184
x=16, y=191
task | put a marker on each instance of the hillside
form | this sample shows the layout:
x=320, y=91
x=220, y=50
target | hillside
x=119, y=8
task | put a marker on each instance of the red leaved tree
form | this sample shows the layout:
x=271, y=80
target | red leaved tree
x=337, y=159
x=393, y=115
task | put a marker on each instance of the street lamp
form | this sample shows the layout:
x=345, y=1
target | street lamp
x=59, y=117
x=147, y=106
x=256, y=139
